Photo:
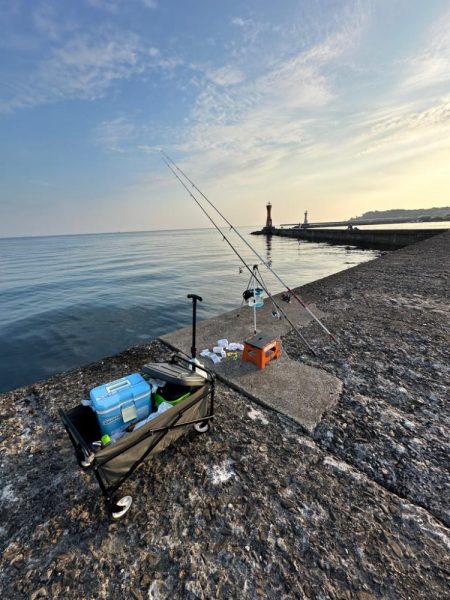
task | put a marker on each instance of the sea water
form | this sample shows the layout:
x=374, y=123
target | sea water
x=70, y=300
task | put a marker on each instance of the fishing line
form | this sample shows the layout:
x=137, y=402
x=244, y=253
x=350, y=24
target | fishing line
x=232, y=228
x=259, y=273
x=281, y=311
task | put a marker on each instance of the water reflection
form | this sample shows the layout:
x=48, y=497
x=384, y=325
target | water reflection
x=269, y=250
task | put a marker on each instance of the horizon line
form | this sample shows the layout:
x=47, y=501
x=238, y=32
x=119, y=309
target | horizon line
x=45, y=235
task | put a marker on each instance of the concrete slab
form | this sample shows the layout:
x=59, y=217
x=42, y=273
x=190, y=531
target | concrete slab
x=299, y=391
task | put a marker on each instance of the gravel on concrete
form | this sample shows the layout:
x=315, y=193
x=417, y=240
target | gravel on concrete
x=392, y=422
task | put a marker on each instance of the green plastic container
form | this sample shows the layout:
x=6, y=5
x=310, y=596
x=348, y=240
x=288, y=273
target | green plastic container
x=158, y=399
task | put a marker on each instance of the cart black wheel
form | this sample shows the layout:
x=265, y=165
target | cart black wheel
x=202, y=427
x=120, y=508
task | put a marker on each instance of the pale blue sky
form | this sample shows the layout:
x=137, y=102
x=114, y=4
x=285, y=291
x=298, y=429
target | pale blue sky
x=335, y=106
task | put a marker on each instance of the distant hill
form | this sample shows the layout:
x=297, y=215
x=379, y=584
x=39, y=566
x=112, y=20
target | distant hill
x=425, y=214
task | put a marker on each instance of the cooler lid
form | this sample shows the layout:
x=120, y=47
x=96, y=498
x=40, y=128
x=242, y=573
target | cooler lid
x=173, y=373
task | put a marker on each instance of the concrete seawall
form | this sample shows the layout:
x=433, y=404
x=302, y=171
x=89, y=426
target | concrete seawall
x=258, y=508
x=389, y=239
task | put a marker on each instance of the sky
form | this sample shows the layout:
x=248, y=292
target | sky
x=332, y=106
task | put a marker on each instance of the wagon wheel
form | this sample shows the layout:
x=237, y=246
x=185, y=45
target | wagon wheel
x=119, y=509
x=202, y=427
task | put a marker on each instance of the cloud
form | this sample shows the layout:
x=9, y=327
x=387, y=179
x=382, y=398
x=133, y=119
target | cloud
x=250, y=28
x=83, y=67
x=400, y=125
x=245, y=133
x=431, y=65
x=269, y=107
x=115, y=133
x=114, y=5
x=49, y=23
x=107, y=5
x=239, y=22
x=249, y=123
x=415, y=118
x=127, y=135
x=226, y=76
x=266, y=110
x=402, y=120
x=293, y=122
x=302, y=122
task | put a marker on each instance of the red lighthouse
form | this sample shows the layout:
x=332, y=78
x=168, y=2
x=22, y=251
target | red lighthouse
x=269, y=218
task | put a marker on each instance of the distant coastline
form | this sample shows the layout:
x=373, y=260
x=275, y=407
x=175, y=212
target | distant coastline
x=422, y=215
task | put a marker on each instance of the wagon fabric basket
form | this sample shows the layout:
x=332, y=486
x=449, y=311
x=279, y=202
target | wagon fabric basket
x=114, y=463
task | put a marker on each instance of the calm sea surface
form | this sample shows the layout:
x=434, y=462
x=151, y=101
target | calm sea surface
x=69, y=300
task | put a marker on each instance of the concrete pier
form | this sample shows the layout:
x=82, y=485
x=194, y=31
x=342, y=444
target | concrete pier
x=300, y=391
x=355, y=506
x=384, y=239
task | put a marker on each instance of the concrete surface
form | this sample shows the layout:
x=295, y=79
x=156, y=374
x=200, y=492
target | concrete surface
x=288, y=386
x=252, y=510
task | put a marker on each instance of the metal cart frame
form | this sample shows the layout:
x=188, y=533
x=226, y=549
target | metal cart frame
x=113, y=465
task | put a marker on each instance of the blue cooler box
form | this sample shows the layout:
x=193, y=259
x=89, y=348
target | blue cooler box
x=121, y=402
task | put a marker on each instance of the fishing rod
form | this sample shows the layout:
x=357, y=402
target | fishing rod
x=296, y=296
x=258, y=279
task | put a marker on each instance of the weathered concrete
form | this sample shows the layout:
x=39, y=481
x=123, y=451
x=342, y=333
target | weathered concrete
x=300, y=391
x=370, y=222
x=252, y=510
x=389, y=239
x=392, y=421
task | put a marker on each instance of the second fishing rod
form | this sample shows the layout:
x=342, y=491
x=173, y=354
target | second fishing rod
x=251, y=271
x=293, y=294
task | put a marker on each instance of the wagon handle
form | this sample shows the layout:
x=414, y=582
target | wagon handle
x=195, y=298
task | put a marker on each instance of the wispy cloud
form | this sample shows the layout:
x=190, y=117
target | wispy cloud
x=226, y=76
x=84, y=67
x=114, y=5
x=126, y=135
x=431, y=65
x=266, y=111
x=414, y=116
x=403, y=125
x=49, y=21
x=239, y=22
x=247, y=124
x=251, y=29
x=294, y=113
x=113, y=134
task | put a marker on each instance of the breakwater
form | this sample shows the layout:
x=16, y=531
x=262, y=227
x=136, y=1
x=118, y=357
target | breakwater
x=258, y=508
x=384, y=239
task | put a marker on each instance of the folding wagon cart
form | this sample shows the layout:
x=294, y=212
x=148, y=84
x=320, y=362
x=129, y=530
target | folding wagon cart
x=114, y=463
